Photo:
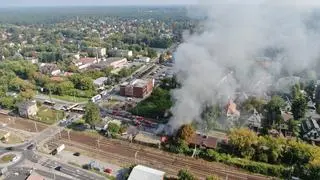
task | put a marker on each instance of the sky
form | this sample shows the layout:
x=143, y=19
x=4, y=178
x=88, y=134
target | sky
x=30, y=3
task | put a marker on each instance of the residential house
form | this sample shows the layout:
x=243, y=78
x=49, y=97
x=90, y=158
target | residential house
x=114, y=62
x=231, y=113
x=310, y=130
x=32, y=60
x=203, y=141
x=28, y=109
x=49, y=69
x=254, y=120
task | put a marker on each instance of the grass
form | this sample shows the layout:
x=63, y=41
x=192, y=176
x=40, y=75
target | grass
x=70, y=98
x=49, y=116
x=7, y=158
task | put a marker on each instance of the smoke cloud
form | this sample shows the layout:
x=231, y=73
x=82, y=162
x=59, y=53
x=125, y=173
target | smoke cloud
x=222, y=57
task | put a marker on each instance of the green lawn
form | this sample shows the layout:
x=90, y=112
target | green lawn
x=7, y=158
x=49, y=116
x=70, y=98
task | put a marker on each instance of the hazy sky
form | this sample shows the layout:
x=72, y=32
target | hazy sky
x=6, y=3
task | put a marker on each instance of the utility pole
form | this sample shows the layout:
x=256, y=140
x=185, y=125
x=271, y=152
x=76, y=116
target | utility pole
x=135, y=157
x=69, y=135
x=98, y=142
x=35, y=126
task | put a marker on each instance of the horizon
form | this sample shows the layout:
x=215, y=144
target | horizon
x=92, y=3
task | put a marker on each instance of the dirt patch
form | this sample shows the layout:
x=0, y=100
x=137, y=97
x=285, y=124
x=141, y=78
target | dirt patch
x=14, y=138
x=22, y=123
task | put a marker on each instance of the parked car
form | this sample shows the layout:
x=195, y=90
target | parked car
x=108, y=170
x=58, y=168
x=30, y=147
x=76, y=154
x=9, y=148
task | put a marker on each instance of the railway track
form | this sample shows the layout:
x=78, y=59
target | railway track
x=170, y=163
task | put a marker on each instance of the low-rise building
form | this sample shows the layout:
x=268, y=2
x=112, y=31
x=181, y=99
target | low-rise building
x=86, y=62
x=137, y=88
x=120, y=53
x=100, y=82
x=140, y=172
x=28, y=109
x=49, y=69
x=143, y=59
x=114, y=62
x=203, y=141
x=97, y=51
x=32, y=60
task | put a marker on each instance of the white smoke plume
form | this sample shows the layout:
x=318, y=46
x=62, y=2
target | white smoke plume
x=232, y=37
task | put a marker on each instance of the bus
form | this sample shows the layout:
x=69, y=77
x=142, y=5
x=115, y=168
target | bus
x=78, y=110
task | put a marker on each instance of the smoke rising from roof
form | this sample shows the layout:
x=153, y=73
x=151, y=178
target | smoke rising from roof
x=233, y=36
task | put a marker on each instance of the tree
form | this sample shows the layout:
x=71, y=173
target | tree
x=113, y=128
x=152, y=53
x=92, y=114
x=27, y=94
x=273, y=114
x=186, y=132
x=293, y=127
x=243, y=140
x=299, y=107
x=184, y=174
x=63, y=87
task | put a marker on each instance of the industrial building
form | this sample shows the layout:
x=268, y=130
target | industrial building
x=137, y=88
x=140, y=172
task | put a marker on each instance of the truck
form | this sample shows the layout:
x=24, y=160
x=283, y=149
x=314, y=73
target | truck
x=58, y=149
x=96, y=98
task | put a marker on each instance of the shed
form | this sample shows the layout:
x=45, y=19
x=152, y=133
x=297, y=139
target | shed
x=145, y=173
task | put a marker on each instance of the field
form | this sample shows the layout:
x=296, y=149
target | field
x=123, y=153
x=49, y=116
x=22, y=123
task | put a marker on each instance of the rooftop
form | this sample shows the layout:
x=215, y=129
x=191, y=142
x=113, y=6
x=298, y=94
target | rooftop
x=207, y=141
x=136, y=83
x=145, y=173
x=100, y=80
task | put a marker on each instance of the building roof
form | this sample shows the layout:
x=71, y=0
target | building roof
x=136, y=83
x=87, y=60
x=27, y=103
x=207, y=141
x=100, y=80
x=231, y=108
x=145, y=173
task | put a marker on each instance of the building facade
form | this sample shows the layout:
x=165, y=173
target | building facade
x=28, y=109
x=138, y=88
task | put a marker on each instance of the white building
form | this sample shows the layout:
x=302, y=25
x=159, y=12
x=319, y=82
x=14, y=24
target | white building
x=145, y=173
x=99, y=83
x=143, y=59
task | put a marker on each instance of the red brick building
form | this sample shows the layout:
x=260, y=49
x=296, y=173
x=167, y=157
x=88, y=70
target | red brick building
x=137, y=88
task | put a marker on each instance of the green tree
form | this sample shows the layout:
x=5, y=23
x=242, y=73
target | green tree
x=243, y=140
x=293, y=127
x=64, y=87
x=184, y=174
x=113, y=128
x=299, y=106
x=92, y=114
x=273, y=108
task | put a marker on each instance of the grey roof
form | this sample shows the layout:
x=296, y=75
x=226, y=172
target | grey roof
x=100, y=81
x=145, y=173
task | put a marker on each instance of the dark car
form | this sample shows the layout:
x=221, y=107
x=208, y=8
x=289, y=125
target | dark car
x=58, y=168
x=76, y=154
x=30, y=147
x=9, y=148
